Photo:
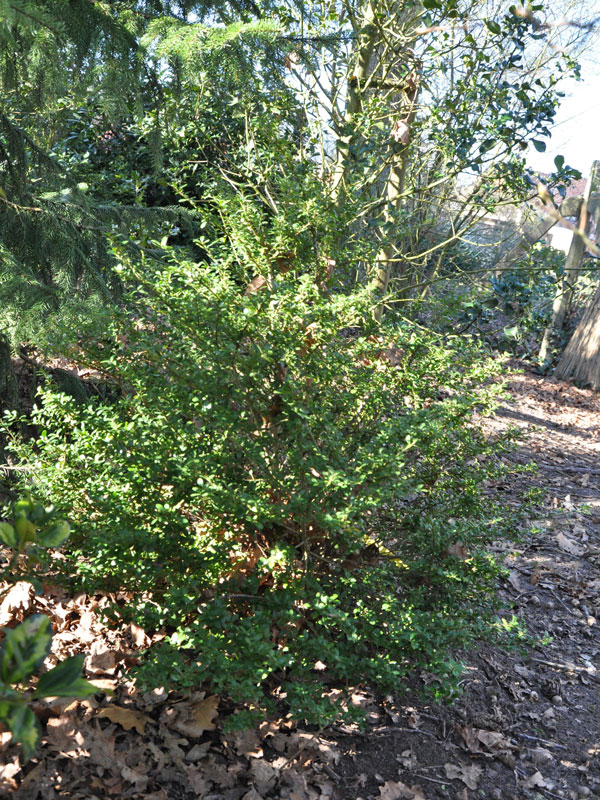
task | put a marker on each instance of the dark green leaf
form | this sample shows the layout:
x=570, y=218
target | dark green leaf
x=24, y=649
x=54, y=536
x=559, y=162
x=23, y=724
x=493, y=26
x=65, y=680
x=539, y=145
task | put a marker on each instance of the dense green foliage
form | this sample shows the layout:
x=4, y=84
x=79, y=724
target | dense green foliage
x=511, y=309
x=278, y=481
x=209, y=207
x=113, y=115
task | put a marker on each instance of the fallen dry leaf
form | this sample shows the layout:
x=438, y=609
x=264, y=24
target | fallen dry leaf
x=494, y=740
x=197, y=780
x=131, y=775
x=107, y=685
x=279, y=742
x=102, y=659
x=16, y=603
x=457, y=550
x=515, y=580
x=63, y=735
x=474, y=738
x=408, y=759
x=569, y=545
x=540, y=756
x=252, y=795
x=8, y=772
x=296, y=781
x=256, y=284
x=139, y=636
x=262, y=775
x=537, y=780
x=413, y=719
x=246, y=743
x=127, y=718
x=469, y=735
x=468, y=774
x=197, y=752
x=194, y=718
x=396, y=790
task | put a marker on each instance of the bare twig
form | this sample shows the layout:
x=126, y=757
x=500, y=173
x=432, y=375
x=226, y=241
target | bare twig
x=568, y=667
x=538, y=739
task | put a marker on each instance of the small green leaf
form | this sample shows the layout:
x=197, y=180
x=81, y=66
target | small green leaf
x=25, y=530
x=37, y=513
x=24, y=648
x=65, y=680
x=493, y=26
x=22, y=507
x=539, y=145
x=54, y=536
x=23, y=724
x=512, y=333
x=8, y=535
x=559, y=162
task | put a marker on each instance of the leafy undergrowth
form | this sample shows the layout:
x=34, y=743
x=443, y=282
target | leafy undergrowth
x=275, y=482
x=525, y=726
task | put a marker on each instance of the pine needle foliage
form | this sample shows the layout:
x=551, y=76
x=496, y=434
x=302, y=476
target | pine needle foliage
x=56, y=235
x=68, y=64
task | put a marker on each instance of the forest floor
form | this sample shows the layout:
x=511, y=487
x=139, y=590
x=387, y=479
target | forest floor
x=527, y=724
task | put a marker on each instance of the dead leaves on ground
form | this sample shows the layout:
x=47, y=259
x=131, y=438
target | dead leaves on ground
x=194, y=716
x=160, y=745
x=127, y=718
x=396, y=790
x=490, y=744
x=17, y=602
x=469, y=774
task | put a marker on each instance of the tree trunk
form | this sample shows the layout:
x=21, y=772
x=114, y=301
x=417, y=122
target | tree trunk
x=580, y=361
x=564, y=295
x=391, y=73
x=365, y=47
x=395, y=182
x=8, y=383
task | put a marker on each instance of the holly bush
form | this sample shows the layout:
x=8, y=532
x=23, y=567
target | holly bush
x=293, y=493
x=23, y=649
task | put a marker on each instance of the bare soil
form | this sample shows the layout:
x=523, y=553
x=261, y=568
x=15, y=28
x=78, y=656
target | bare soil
x=527, y=724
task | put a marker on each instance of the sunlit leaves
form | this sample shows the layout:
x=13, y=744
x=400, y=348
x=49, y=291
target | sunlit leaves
x=24, y=649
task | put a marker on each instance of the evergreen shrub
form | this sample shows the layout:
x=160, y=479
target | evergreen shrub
x=294, y=496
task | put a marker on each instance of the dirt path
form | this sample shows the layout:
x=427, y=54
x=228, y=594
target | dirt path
x=527, y=725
